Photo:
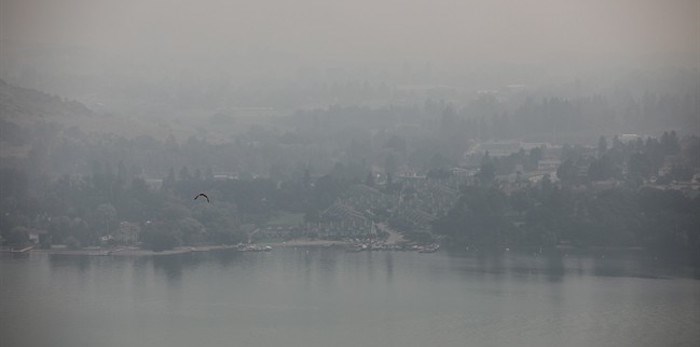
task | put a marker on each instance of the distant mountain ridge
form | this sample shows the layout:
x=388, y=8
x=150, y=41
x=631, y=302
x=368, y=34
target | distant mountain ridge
x=22, y=106
x=28, y=115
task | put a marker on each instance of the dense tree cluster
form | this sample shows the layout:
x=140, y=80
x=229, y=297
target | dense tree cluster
x=547, y=215
x=82, y=210
x=637, y=210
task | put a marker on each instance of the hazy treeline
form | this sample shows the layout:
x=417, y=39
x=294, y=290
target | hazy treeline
x=79, y=210
x=582, y=209
x=548, y=215
x=79, y=185
x=52, y=134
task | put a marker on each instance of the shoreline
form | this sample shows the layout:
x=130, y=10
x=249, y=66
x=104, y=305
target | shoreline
x=131, y=252
x=139, y=252
x=306, y=243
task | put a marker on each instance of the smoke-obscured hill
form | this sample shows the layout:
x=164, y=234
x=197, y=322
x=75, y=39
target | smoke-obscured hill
x=40, y=131
x=26, y=114
x=20, y=105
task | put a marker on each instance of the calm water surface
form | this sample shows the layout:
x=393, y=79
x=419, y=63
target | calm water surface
x=327, y=297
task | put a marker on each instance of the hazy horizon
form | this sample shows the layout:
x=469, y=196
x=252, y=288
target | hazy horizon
x=432, y=40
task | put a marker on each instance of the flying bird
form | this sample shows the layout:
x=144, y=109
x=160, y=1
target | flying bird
x=202, y=195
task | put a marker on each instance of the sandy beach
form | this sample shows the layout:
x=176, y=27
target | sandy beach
x=131, y=251
x=306, y=243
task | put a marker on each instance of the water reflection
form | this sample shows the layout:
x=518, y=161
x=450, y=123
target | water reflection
x=225, y=257
x=171, y=266
x=81, y=263
x=327, y=263
x=555, y=267
x=389, y=262
x=370, y=269
x=322, y=264
x=320, y=297
x=305, y=265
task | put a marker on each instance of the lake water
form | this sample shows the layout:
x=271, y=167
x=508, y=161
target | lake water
x=328, y=297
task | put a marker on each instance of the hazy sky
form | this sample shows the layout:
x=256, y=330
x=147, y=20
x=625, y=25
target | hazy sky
x=306, y=32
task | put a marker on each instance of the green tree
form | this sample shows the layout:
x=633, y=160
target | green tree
x=370, y=179
x=602, y=146
x=567, y=172
x=639, y=166
x=106, y=218
x=669, y=143
x=487, y=171
x=157, y=239
x=169, y=181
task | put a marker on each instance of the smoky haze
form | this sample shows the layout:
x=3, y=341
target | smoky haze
x=264, y=38
x=308, y=173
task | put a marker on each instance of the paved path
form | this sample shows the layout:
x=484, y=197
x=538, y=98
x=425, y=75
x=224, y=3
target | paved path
x=394, y=236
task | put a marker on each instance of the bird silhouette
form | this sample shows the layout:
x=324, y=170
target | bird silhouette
x=202, y=195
